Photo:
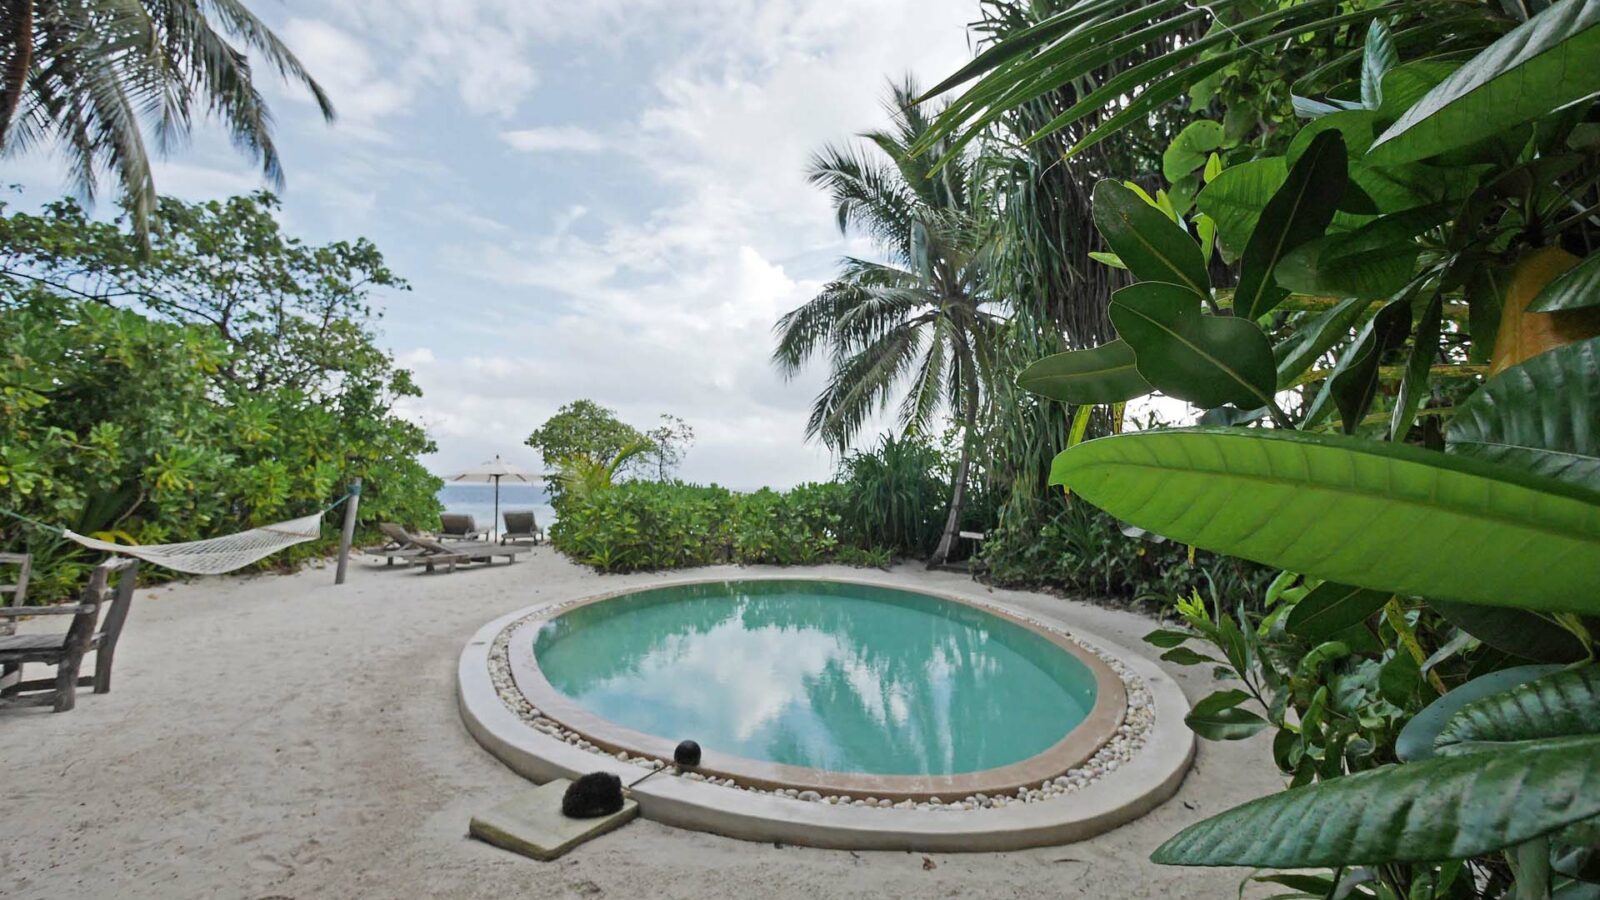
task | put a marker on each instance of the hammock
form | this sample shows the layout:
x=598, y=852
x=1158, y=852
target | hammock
x=214, y=556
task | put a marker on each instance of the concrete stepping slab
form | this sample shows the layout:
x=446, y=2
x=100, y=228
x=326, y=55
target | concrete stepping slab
x=531, y=823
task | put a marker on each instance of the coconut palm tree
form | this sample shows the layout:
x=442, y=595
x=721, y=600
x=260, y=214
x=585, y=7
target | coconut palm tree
x=90, y=75
x=911, y=321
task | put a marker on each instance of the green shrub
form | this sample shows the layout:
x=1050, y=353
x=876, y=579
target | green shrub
x=1084, y=551
x=649, y=525
x=895, y=495
x=173, y=392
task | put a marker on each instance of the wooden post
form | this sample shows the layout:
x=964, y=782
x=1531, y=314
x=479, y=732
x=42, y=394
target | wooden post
x=349, y=533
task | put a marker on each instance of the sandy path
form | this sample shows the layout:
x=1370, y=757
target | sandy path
x=280, y=737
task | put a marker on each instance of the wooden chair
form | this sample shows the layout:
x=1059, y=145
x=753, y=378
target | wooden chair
x=11, y=673
x=521, y=526
x=88, y=631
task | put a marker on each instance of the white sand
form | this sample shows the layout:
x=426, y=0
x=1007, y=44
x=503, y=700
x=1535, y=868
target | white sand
x=277, y=736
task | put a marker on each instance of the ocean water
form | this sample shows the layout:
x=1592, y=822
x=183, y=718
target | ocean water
x=477, y=500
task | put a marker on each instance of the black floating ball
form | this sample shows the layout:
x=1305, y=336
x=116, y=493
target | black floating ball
x=687, y=754
x=592, y=795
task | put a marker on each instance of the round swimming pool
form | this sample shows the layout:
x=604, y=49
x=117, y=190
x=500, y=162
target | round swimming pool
x=846, y=678
x=824, y=685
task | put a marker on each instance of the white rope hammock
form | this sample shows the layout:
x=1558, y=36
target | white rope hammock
x=215, y=556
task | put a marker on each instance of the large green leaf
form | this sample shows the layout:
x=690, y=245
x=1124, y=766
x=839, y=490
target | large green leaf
x=1219, y=718
x=1188, y=151
x=1375, y=260
x=1104, y=374
x=1415, y=742
x=1563, y=704
x=1523, y=634
x=1150, y=245
x=1576, y=288
x=1414, y=387
x=1330, y=609
x=1442, y=808
x=1536, y=68
x=1366, y=513
x=1542, y=415
x=1354, y=383
x=1206, y=360
x=1234, y=200
x=1378, y=56
x=1407, y=83
x=1298, y=212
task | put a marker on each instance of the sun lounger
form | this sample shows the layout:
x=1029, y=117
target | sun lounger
x=438, y=553
x=521, y=526
x=409, y=548
x=459, y=526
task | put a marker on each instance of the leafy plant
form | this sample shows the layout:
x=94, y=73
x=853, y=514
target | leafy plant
x=1408, y=238
x=181, y=392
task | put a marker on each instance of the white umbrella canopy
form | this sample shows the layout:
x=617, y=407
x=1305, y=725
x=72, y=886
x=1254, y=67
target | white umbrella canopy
x=494, y=471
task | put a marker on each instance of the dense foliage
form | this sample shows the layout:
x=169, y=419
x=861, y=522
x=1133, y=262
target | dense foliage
x=224, y=378
x=887, y=501
x=1088, y=553
x=650, y=525
x=1372, y=260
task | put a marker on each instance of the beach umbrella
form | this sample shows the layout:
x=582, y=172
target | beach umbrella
x=493, y=471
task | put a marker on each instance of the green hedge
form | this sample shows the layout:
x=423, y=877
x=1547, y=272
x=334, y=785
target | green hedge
x=649, y=525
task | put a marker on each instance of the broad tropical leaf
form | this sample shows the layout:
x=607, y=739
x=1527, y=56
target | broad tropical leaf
x=1523, y=634
x=1150, y=245
x=1375, y=260
x=1536, y=68
x=1332, y=608
x=1354, y=383
x=1542, y=415
x=1442, y=808
x=1378, y=56
x=1219, y=718
x=1104, y=374
x=1415, y=742
x=1234, y=200
x=1563, y=704
x=1298, y=212
x=1207, y=360
x=1576, y=288
x=1424, y=350
x=1365, y=513
x=1189, y=150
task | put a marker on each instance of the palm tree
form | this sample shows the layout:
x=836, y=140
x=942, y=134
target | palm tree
x=914, y=319
x=90, y=75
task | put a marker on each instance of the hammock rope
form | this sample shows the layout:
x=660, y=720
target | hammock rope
x=211, y=556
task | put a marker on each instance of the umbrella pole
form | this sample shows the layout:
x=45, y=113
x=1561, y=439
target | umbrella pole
x=494, y=527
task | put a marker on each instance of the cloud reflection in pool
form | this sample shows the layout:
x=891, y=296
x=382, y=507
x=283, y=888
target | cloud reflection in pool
x=843, y=677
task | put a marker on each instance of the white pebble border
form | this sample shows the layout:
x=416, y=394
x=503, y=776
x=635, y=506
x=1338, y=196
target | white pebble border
x=1125, y=742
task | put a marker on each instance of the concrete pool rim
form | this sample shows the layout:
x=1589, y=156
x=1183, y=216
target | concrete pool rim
x=1128, y=790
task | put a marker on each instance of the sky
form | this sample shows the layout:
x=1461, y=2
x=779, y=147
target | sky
x=604, y=199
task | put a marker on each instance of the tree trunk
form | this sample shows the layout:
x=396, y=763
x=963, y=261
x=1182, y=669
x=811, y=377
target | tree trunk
x=958, y=491
x=16, y=70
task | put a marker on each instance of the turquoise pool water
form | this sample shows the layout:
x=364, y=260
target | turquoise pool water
x=842, y=677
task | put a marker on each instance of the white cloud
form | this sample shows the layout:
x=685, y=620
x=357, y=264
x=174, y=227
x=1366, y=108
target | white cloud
x=670, y=309
x=345, y=68
x=561, y=137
